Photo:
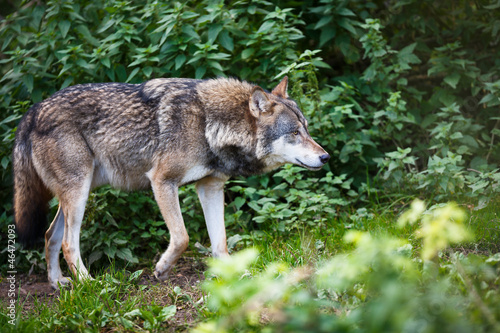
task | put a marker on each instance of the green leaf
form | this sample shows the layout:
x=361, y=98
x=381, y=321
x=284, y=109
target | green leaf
x=64, y=26
x=121, y=72
x=226, y=41
x=238, y=202
x=213, y=32
x=5, y=162
x=120, y=241
x=149, y=317
x=259, y=219
x=233, y=240
x=247, y=53
x=200, y=71
x=179, y=61
x=147, y=71
x=88, y=35
x=7, y=41
x=28, y=82
x=479, y=185
x=346, y=24
x=320, y=64
x=111, y=219
x=443, y=182
x=134, y=72
x=345, y=12
x=82, y=63
x=407, y=50
x=106, y=26
x=189, y=15
x=133, y=313
x=215, y=64
x=266, y=27
x=190, y=31
x=106, y=62
x=487, y=98
x=10, y=118
x=470, y=141
x=323, y=21
x=110, y=251
x=327, y=33
x=126, y=254
x=137, y=62
x=135, y=275
x=126, y=323
x=496, y=257
x=94, y=256
x=167, y=312
x=67, y=82
x=452, y=79
x=38, y=13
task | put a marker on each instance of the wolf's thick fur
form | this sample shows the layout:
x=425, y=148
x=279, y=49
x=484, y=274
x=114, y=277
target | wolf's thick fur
x=161, y=134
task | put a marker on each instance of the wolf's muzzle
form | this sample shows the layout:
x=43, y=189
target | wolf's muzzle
x=324, y=158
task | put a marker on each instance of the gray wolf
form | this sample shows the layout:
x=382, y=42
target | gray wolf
x=160, y=134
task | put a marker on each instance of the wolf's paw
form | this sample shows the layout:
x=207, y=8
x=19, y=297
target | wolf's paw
x=61, y=281
x=163, y=276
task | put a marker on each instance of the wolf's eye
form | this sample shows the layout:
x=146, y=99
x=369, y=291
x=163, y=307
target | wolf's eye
x=295, y=133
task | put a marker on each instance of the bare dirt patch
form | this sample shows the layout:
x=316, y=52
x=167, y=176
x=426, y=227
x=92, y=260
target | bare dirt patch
x=29, y=289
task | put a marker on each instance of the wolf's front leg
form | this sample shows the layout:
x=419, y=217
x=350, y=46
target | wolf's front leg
x=166, y=195
x=211, y=193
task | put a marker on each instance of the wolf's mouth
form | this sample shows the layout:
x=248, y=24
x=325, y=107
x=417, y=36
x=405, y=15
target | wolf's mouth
x=308, y=166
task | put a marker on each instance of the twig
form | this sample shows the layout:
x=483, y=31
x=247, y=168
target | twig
x=492, y=141
x=474, y=170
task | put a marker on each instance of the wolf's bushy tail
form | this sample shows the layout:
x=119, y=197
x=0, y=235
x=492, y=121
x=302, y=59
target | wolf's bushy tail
x=31, y=196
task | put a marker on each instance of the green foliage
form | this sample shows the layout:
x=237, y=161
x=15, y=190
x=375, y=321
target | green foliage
x=404, y=95
x=375, y=287
x=288, y=202
x=441, y=226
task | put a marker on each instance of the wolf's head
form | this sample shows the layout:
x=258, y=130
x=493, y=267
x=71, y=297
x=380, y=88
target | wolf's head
x=282, y=130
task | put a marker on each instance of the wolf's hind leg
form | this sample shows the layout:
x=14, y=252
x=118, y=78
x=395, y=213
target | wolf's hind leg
x=211, y=193
x=166, y=195
x=53, y=241
x=65, y=162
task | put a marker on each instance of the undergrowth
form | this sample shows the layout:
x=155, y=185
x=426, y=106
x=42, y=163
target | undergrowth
x=403, y=95
x=388, y=272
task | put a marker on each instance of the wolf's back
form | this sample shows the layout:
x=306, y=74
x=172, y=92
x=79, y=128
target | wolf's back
x=30, y=194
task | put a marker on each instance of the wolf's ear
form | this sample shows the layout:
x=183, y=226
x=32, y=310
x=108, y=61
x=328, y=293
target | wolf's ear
x=259, y=102
x=281, y=89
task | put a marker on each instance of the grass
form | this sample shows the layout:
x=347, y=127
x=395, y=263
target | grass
x=117, y=299
x=130, y=300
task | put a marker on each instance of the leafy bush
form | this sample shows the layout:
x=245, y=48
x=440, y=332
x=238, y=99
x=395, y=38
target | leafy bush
x=402, y=94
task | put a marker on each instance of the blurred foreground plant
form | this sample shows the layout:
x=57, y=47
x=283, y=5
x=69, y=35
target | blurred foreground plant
x=377, y=287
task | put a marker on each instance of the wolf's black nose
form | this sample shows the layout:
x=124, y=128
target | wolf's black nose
x=324, y=158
